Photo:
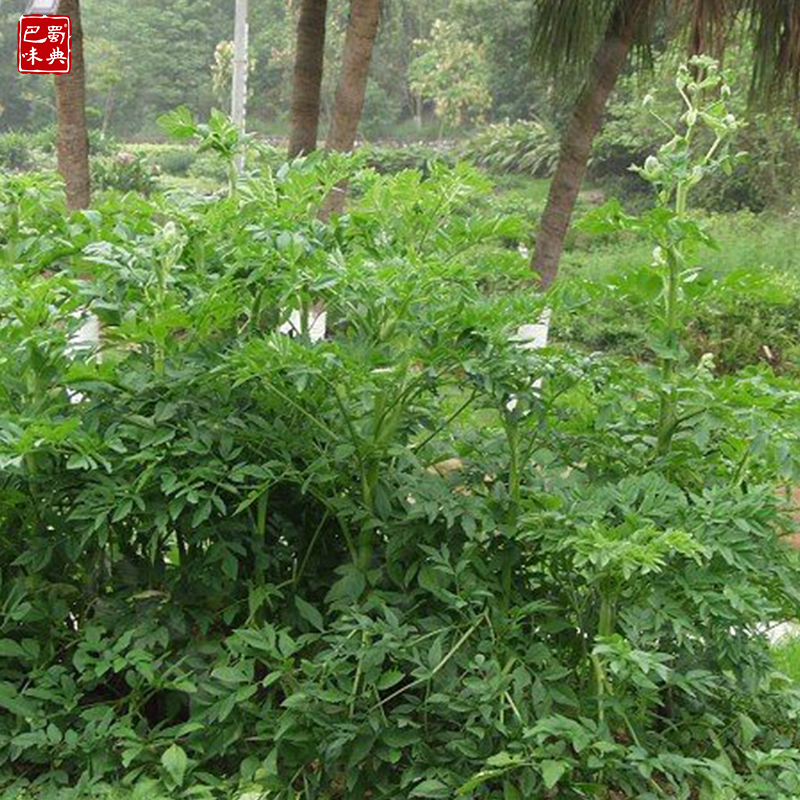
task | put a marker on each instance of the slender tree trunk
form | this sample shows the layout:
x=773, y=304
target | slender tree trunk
x=362, y=28
x=576, y=145
x=73, y=137
x=108, y=108
x=308, y=69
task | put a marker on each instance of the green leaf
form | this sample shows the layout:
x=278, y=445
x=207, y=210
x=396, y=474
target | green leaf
x=175, y=762
x=10, y=649
x=553, y=771
x=122, y=510
x=431, y=788
x=504, y=759
x=510, y=792
x=309, y=613
x=749, y=730
x=389, y=679
x=271, y=763
x=202, y=513
x=230, y=674
x=348, y=588
x=11, y=701
x=179, y=123
x=435, y=653
x=53, y=734
x=361, y=748
x=401, y=738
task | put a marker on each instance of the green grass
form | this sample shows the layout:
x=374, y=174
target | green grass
x=190, y=183
x=533, y=190
x=746, y=240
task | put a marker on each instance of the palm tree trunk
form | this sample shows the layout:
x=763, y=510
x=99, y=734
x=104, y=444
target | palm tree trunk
x=308, y=68
x=362, y=28
x=73, y=137
x=576, y=145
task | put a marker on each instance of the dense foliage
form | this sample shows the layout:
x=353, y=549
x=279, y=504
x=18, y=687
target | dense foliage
x=530, y=148
x=411, y=559
x=453, y=73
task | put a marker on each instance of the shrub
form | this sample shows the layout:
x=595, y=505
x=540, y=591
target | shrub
x=25, y=151
x=15, y=151
x=742, y=308
x=417, y=156
x=381, y=109
x=174, y=160
x=126, y=172
x=207, y=165
x=749, y=316
x=390, y=563
x=524, y=147
x=764, y=177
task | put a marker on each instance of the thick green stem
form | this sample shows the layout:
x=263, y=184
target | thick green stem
x=366, y=537
x=669, y=398
x=605, y=627
x=514, y=476
x=233, y=177
x=608, y=615
x=514, y=484
x=599, y=687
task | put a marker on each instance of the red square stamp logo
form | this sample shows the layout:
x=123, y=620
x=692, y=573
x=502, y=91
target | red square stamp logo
x=43, y=46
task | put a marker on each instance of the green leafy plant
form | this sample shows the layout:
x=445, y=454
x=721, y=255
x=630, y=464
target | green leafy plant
x=530, y=148
x=126, y=172
x=762, y=180
x=673, y=172
x=14, y=151
x=174, y=160
x=219, y=136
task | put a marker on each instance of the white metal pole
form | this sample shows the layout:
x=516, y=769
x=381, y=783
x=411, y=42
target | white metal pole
x=239, y=90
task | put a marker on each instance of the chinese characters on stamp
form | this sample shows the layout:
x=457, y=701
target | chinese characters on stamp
x=44, y=45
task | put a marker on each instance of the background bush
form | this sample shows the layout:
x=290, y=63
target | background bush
x=126, y=172
x=15, y=151
x=517, y=147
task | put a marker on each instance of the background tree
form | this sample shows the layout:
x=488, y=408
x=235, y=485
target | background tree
x=566, y=31
x=769, y=136
x=222, y=72
x=73, y=136
x=105, y=78
x=362, y=28
x=453, y=72
x=308, y=71
x=167, y=51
